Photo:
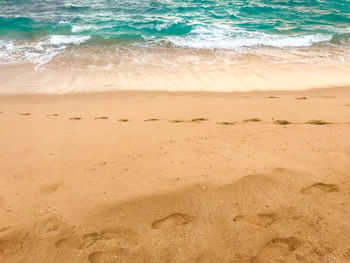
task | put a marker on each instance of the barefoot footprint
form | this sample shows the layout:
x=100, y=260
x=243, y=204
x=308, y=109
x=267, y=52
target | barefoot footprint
x=317, y=122
x=49, y=188
x=320, y=188
x=199, y=120
x=107, y=257
x=282, y=122
x=252, y=120
x=263, y=220
x=276, y=249
x=226, y=123
x=172, y=220
x=177, y=121
x=153, y=119
x=118, y=238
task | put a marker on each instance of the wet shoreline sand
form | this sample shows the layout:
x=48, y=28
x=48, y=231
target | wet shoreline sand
x=181, y=71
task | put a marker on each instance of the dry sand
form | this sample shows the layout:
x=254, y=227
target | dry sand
x=175, y=177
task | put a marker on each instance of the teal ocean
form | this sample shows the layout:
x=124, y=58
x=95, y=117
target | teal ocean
x=37, y=31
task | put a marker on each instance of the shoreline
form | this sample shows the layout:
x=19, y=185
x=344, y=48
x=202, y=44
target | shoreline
x=316, y=91
x=255, y=75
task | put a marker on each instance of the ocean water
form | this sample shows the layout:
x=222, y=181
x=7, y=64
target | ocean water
x=151, y=31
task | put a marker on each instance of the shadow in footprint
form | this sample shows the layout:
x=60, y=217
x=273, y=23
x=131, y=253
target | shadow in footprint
x=123, y=120
x=101, y=118
x=226, y=123
x=199, y=120
x=177, y=121
x=52, y=115
x=117, y=255
x=301, y=98
x=24, y=114
x=75, y=118
x=151, y=120
x=171, y=221
x=320, y=188
x=317, y=122
x=49, y=188
x=281, y=122
x=252, y=120
x=292, y=243
x=71, y=243
x=107, y=257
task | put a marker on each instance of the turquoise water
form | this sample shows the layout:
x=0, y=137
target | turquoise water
x=37, y=31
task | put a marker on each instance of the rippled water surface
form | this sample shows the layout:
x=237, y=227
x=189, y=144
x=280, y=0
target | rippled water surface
x=38, y=31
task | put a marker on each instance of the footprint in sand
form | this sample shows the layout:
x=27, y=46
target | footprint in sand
x=264, y=219
x=317, y=122
x=177, y=121
x=117, y=238
x=48, y=224
x=320, y=188
x=107, y=257
x=52, y=115
x=118, y=255
x=172, y=220
x=301, y=98
x=5, y=232
x=154, y=119
x=101, y=118
x=226, y=123
x=199, y=120
x=276, y=249
x=10, y=240
x=252, y=120
x=281, y=122
x=123, y=120
x=24, y=114
x=273, y=97
x=75, y=118
x=70, y=242
x=49, y=188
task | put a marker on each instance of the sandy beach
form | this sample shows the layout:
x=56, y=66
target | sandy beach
x=137, y=131
x=175, y=177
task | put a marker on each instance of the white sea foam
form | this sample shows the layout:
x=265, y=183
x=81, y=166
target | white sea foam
x=38, y=53
x=78, y=29
x=84, y=28
x=201, y=37
x=231, y=38
x=63, y=39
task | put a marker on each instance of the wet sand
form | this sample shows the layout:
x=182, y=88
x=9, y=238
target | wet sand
x=230, y=75
x=175, y=177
